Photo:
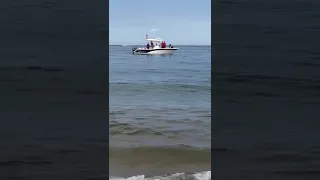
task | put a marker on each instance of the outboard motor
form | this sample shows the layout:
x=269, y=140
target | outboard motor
x=133, y=49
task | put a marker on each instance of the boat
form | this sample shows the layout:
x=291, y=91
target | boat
x=156, y=50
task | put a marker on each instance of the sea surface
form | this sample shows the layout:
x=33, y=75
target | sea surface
x=266, y=90
x=160, y=112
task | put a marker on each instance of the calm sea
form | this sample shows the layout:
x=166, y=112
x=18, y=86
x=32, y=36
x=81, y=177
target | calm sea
x=160, y=112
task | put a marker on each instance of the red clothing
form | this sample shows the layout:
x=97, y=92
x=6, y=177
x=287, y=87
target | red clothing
x=162, y=45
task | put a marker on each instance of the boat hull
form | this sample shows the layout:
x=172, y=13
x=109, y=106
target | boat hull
x=159, y=51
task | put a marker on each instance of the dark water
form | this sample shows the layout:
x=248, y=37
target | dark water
x=53, y=90
x=266, y=84
x=160, y=112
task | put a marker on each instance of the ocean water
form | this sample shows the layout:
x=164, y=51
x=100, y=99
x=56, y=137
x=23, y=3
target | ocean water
x=160, y=112
x=195, y=176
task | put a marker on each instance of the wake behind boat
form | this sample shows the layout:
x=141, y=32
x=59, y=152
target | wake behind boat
x=159, y=47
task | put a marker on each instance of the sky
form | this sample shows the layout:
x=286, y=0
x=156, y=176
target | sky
x=179, y=22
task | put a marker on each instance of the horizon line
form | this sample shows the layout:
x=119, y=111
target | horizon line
x=175, y=44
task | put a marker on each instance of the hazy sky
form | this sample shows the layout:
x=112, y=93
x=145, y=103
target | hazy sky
x=183, y=22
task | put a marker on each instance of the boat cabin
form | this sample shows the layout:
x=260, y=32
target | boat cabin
x=156, y=43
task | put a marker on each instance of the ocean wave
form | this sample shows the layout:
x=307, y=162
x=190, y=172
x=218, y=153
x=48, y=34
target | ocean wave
x=127, y=129
x=174, y=127
x=164, y=156
x=206, y=86
x=206, y=175
x=117, y=128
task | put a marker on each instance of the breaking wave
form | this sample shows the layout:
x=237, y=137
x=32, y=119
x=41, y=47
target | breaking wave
x=206, y=175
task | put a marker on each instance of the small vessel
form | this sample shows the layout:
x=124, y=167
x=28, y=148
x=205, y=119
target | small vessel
x=156, y=48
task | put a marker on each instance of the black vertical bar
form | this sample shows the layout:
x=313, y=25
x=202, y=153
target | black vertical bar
x=54, y=63
x=265, y=82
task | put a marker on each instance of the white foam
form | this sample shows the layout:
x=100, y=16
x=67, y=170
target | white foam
x=203, y=175
x=206, y=175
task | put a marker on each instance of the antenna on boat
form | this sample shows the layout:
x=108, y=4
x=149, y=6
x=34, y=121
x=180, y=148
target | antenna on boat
x=154, y=30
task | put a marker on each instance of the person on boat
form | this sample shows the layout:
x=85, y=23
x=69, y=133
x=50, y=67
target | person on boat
x=161, y=44
x=170, y=46
x=152, y=45
x=164, y=44
x=148, y=45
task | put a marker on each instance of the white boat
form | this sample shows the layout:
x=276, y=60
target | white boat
x=156, y=50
